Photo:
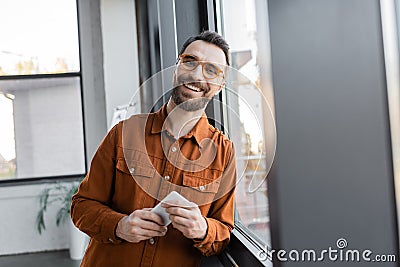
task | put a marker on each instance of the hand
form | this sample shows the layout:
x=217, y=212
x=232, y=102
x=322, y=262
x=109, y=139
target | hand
x=140, y=225
x=188, y=220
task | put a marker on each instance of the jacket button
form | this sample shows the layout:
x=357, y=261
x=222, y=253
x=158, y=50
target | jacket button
x=167, y=177
x=110, y=239
x=201, y=188
x=173, y=149
x=151, y=241
x=132, y=170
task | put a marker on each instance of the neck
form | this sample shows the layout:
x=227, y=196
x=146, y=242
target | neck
x=180, y=121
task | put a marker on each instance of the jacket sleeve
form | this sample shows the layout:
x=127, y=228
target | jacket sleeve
x=90, y=207
x=220, y=218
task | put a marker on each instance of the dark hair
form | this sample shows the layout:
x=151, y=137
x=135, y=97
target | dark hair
x=209, y=37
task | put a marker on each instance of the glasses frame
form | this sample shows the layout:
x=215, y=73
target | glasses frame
x=202, y=63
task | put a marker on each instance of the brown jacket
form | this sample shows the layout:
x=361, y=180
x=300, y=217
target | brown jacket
x=131, y=171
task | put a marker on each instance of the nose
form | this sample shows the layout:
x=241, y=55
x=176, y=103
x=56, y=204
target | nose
x=197, y=73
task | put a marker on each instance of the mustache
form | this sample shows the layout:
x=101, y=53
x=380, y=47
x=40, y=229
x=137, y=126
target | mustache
x=188, y=80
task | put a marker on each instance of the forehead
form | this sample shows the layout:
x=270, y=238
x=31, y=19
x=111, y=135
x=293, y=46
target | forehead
x=205, y=51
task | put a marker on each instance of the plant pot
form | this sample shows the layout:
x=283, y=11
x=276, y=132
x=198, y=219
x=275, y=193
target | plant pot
x=77, y=242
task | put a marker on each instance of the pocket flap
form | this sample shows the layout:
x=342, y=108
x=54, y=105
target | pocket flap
x=200, y=184
x=136, y=168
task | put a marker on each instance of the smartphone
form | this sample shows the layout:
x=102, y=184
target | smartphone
x=173, y=198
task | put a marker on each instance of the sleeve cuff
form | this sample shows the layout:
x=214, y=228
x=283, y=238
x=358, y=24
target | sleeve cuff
x=203, y=244
x=109, y=227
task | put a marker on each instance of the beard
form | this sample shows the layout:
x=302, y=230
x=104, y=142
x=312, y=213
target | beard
x=184, y=100
x=178, y=96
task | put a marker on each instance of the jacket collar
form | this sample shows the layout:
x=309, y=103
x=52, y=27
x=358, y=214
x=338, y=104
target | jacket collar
x=198, y=132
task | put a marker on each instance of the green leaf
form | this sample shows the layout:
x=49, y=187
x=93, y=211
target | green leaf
x=40, y=224
x=62, y=215
x=58, y=192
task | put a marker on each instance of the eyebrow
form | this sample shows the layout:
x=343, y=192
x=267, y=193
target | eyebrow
x=193, y=56
x=220, y=66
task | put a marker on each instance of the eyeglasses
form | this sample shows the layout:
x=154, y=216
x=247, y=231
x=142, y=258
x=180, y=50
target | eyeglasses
x=210, y=70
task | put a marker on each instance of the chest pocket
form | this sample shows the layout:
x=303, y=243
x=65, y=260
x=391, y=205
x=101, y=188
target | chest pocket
x=141, y=173
x=201, y=187
x=131, y=186
x=136, y=168
x=200, y=184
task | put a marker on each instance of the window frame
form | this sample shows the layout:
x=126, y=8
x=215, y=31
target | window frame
x=241, y=233
x=55, y=178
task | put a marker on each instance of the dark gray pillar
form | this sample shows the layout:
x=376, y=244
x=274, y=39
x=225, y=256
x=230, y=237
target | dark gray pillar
x=93, y=96
x=333, y=170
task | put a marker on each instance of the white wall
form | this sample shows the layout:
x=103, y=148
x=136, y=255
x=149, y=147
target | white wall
x=19, y=206
x=120, y=53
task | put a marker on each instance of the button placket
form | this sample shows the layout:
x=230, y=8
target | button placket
x=149, y=251
x=172, y=155
x=170, y=165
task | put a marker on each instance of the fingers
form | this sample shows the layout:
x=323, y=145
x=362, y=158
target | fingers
x=182, y=228
x=181, y=217
x=177, y=203
x=146, y=214
x=151, y=233
x=177, y=220
x=140, y=225
x=186, y=212
x=147, y=220
x=191, y=228
x=187, y=220
x=149, y=225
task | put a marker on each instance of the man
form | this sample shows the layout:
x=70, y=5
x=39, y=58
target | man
x=147, y=156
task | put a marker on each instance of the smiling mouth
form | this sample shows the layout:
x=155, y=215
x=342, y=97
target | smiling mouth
x=193, y=87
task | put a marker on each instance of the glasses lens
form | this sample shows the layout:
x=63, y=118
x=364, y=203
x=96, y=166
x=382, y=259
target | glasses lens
x=210, y=70
x=189, y=62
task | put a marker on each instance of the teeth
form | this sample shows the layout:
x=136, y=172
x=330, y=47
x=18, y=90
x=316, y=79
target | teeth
x=192, y=87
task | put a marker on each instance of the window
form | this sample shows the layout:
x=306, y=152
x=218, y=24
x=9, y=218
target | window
x=40, y=93
x=250, y=115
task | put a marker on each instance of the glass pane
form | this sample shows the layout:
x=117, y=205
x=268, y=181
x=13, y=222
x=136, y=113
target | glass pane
x=38, y=37
x=252, y=148
x=41, y=128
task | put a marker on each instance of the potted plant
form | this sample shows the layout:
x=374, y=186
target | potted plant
x=61, y=193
